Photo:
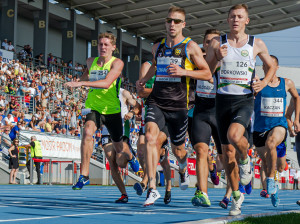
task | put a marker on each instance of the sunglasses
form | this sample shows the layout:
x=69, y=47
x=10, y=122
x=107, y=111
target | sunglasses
x=176, y=21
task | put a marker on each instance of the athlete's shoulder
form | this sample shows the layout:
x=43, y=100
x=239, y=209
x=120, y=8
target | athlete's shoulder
x=259, y=43
x=117, y=61
x=90, y=61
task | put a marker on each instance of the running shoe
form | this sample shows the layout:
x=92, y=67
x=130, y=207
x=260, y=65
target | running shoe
x=122, y=199
x=245, y=172
x=264, y=194
x=135, y=166
x=274, y=198
x=236, y=206
x=271, y=188
x=242, y=188
x=298, y=202
x=139, y=188
x=152, y=196
x=214, y=177
x=200, y=199
x=224, y=203
x=248, y=188
x=184, y=180
x=167, y=198
x=80, y=183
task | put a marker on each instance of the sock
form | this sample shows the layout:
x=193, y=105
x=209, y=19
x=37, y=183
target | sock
x=212, y=171
x=270, y=178
x=205, y=194
x=236, y=195
x=86, y=177
x=182, y=165
x=243, y=162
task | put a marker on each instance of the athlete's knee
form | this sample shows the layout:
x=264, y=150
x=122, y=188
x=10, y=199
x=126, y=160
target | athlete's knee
x=179, y=151
x=234, y=138
x=88, y=132
x=201, y=151
x=271, y=143
x=151, y=138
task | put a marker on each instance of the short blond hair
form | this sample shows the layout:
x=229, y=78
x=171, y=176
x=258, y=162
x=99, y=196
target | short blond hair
x=238, y=6
x=176, y=9
x=108, y=35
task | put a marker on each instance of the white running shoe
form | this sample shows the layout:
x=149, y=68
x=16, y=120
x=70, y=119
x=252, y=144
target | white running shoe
x=245, y=173
x=152, y=196
x=184, y=180
x=236, y=206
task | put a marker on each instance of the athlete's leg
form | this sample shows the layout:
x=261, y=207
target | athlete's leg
x=236, y=137
x=152, y=132
x=122, y=158
x=87, y=144
x=281, y=163
x=111, y=157
x=201, y=150
x=297, y=138
x=141, y=153
x=263, y=176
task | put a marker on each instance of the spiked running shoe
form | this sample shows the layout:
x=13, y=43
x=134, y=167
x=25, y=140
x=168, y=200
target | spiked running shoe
x=80, y=183
x=152, y=196
x=236, y=206
x=264, y=194
x=139, y=188
x=224, y=203
x=122, y=199
x=167, y=198
x=214, y=177
x=135, y=166
x=274, y=198
x=271, y=188
x=248, y=188
x=184, y=180
x=200, y=199
x=245, y=172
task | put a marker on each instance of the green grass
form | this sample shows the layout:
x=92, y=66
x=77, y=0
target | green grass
x=291, y=218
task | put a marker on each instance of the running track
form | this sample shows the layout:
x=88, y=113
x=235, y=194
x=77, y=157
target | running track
x=95, y=204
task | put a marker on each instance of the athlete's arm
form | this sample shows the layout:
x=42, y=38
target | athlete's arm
x=290, y=87
x=195, y=54
x=115, y=71
x=211, y=54
x=288, y=115
x=144, y=92
x=261, y=50
x=85, y=75
x=130, y=101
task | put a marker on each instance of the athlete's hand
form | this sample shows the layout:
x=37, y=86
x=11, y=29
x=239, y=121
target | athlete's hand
x=258, y=85
x=221, y=52
x=128, y=116
x=296, y=127
x=176, y=70
x=73, y=84
x=140, y=85
x=211, y=81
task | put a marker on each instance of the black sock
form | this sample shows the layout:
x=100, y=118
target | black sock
x=86, y=177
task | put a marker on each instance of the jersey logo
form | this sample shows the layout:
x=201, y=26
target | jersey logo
x=168, y=52
x=177, y=51
x=244, y=53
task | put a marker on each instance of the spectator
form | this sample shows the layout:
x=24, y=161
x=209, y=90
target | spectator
x=58, y=127
x=36, y=153
x=4, y=44
x=3, y=104
x=8, y=121
x=10, y=47
x=39, y=59
x=14, y=133
x=48, y=126
x=296, y=177
x=5, y=141
x=64, y=131
x=14, y=107
x=14, y=161
x=33, y=123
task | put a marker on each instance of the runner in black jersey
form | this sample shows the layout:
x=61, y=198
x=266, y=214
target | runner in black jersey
x=173, y=94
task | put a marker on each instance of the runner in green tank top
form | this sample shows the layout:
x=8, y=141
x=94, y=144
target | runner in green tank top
x=102, y=77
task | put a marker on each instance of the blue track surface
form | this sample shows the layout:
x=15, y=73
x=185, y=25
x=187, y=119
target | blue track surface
x=95, y=204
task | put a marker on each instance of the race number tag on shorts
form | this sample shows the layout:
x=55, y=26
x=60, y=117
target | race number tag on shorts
x=104, y=140
x=162, y=74
x=271, y=107
x=235, y=72
x=96, y=75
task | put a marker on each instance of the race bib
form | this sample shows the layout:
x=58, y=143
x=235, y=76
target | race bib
x=272, y=107
x=235, y=72
x=161, y=72
x=206, y=89
x=104, y=140
x=96, y=75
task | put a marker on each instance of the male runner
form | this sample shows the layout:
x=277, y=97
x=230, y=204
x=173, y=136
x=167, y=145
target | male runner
x=270, y=126
x=236, y=53
x=162, y=142
x=126, y=100
x=204, y=125
x=102, y=77
x=176, y=59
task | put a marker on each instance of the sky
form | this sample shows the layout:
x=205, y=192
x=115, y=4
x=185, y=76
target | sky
x=285, y=45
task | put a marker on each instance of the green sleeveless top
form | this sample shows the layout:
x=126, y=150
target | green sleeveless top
x=105, y=101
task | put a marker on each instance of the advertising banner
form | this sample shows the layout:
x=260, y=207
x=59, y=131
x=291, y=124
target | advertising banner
x=6, y=55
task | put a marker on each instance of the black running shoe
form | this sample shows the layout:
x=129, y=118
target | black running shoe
x=167, y=198
x=298, y=202
x=122, y=199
